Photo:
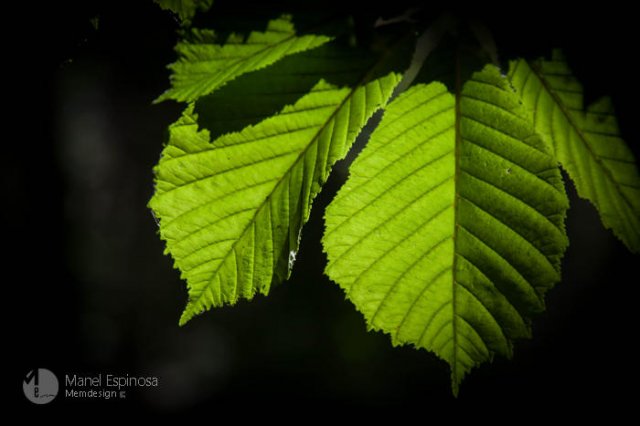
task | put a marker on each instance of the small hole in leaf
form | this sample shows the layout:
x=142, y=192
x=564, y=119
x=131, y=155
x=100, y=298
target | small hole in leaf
x=292, y=259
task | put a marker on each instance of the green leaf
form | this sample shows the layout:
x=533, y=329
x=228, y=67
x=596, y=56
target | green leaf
x=262, y=94
x=586, y=142
x=450, y=227
x=231, y=210
x=185, y=9
x=204, y=66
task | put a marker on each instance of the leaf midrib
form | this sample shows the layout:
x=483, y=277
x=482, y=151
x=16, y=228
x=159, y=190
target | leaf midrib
x=268, y=198
x=456, y=174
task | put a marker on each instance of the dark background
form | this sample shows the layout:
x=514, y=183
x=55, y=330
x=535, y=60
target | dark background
x=91, y=291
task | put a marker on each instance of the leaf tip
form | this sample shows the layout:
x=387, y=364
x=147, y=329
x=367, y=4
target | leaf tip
x=456, y=378
x=455, y=388
x=186, y=316
x=184, y=319
x=157, y=100
x=190, y=311
x=163, y=97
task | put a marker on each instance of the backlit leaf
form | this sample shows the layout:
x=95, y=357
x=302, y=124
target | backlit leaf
x=450, y=227
x=587, y=142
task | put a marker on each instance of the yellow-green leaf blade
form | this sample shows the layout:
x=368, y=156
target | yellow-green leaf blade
x=205, y=66
x=586, y=142
x=450, y=227
x=231, y=210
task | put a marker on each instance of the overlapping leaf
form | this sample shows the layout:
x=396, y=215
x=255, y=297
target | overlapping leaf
x=231, y=210
x=450, y=227
x=586, y=142
x=262, y=94
x=205, y=66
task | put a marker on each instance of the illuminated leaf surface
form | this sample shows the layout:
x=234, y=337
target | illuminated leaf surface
x=231, y=210
x=450, y=227
x=587, y=142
